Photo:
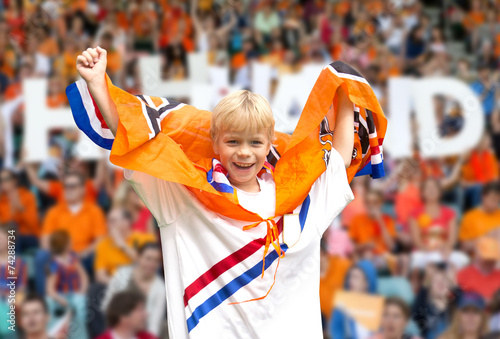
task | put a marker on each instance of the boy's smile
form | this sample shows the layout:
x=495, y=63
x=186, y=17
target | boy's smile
x=243, y=155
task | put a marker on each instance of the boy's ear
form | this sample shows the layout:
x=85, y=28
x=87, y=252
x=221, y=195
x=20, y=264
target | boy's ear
x=216, y=147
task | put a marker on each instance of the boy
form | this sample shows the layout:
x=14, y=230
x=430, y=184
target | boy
x=226, y=215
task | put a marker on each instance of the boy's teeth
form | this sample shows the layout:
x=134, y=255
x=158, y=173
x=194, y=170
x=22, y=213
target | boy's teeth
x=244, y=165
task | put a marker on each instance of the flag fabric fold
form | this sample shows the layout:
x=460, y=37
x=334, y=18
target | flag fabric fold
x=171, y=140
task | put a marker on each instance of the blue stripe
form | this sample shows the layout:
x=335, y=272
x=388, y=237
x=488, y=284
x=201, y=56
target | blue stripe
x=244, y=279
x=219, y=186
x=376, y=171
x=230, y=288
x=303, y=212
x=82, y=119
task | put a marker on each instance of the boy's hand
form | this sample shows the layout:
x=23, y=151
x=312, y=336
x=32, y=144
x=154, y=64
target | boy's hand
x=91, y=64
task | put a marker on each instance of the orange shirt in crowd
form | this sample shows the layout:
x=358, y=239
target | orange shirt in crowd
x=332, y=281
x=364, y=229
x=238, y=60
x=109, y=257
x=405, y=202
x=474, y=19
x=482, y=167
x=56, y=190
x=49, y=48
x=84, y=226
x=114, y=61
x=356, y=207
x=477, y=223
x=8, y=61
x=27, y=220
x=57, y=100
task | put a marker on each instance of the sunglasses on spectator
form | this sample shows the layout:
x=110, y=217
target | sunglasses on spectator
x=72, y=186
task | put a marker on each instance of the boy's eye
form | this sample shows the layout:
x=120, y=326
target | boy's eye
x=256, y=142
x=232, y=142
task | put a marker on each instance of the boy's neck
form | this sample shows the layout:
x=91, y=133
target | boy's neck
x=251, y=186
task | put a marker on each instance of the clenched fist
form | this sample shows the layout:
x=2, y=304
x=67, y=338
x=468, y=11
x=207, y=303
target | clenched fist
x=91, y=64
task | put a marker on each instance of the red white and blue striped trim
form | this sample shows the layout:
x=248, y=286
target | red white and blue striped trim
x=87, y=116
x=224, y=265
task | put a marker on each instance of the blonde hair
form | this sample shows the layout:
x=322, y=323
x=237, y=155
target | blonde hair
x=242, y=110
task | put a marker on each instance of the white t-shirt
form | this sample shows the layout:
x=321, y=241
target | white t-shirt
x=210, y=261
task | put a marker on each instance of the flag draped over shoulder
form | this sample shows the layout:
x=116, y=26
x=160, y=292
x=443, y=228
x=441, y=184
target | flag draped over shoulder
x=171, y=140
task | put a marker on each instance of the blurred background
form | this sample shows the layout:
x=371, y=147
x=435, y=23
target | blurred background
x=424, y=241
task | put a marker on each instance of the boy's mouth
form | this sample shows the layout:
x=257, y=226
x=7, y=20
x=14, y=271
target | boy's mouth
x=243, y=166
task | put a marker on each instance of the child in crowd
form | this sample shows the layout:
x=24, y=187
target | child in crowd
x=227, y=216
x=66, y=285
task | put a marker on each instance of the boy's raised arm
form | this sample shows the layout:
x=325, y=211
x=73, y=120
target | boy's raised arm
x=343, y=136
x=91, y=66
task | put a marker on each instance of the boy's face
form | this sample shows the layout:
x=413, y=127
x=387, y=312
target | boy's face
x=243, y=154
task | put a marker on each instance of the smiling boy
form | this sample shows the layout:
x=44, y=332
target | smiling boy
x=228, y=218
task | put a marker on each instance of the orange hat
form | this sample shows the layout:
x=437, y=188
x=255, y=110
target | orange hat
x=488, y=248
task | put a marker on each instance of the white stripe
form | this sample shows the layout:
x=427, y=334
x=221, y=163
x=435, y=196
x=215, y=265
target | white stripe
x=146, y=116
x=88, y=104
x=363, y=122
x=163, y=104
x=273, y=151
x=347, y=76
x=164, y=114
x=220, y=178
x=149, y=101
x=376, y=159
x=373, y=135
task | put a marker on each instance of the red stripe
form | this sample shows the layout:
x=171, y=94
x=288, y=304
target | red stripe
x=98, y=113
x=375, y=150
x=225, y=264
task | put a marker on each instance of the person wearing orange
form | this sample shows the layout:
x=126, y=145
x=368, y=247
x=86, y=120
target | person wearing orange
x=82, y=219
x=119, y=248
x=18, y=207
x=334, y=268
x=55, y=188
x=479, y=169
x=482, y=220
x=373, y=232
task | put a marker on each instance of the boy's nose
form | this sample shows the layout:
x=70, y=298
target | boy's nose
x=244, y=152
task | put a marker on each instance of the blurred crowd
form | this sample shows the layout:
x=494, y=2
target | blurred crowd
x=426, y=237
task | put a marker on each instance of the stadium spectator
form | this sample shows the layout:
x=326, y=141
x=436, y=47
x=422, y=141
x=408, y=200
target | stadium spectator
x=434, y=304
x=434, y=229
x=143, y=277
x=486, y=88
x=483, y=220
x=126, y=316
x=481, y=168
x=67, y=284
x=361, y=278
x=394, y=320
x=482, y=276
x=120, y=247
x=34, y=318
x=18, y=207
x=84, y=221
x=374, y=232
x=470, y=319
x=126, y=198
